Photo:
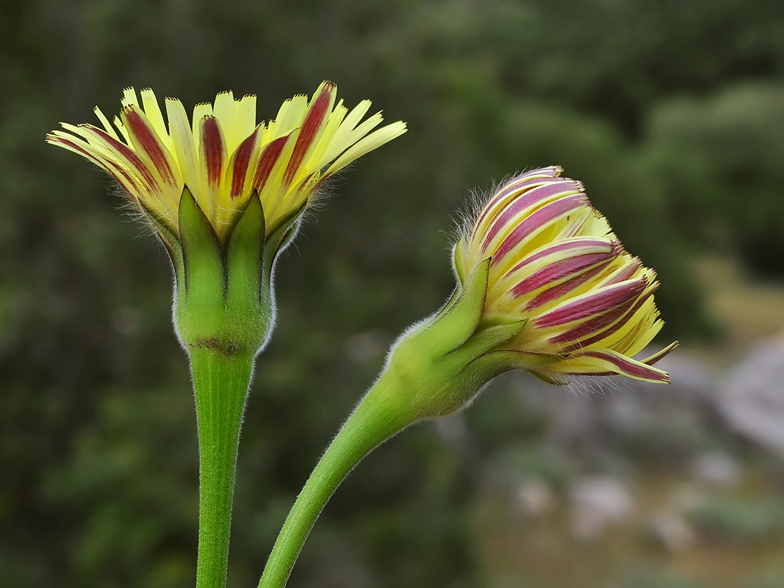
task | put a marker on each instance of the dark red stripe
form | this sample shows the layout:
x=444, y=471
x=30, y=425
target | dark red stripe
x=269, y=156
x=149, y=142
x=563, y=289
x=526, y=199
x=657, y=357
x=558, y=271
x=130, y=155
x=313, y=119
x=594, y=327
x=625, y=320
x=536, y=220
x=110, y=167
x=212, y=146
x=511, y=186
x=601, y=301
x=626, y=273
x=562, y=246
x=628, y=367
x=241, y=163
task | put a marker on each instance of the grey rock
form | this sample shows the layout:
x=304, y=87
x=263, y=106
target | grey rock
x=535, y=498
x=599, y=502
x=716, y=469
x=671, y=531
x=752, y=397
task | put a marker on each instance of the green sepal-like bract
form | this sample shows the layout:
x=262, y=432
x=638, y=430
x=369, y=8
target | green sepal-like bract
x=438, y=364
x=223, y=291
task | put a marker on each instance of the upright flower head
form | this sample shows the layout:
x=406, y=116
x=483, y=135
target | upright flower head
x=555, y=263
x=223, y=155
x=226, y=193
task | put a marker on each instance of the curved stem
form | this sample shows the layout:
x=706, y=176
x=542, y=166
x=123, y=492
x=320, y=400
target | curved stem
x=220, y=385
x=377, y=418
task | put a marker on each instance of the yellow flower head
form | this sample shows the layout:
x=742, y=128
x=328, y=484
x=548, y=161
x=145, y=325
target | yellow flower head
x=555, y=262
x=223, y=156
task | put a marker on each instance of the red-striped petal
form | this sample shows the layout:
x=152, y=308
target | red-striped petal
x=127, y=153
x=656, y=357
x=130, y=185
x=536, y=220
x=563, y=289
x=317, y=114
x=520, y=183
x=595, y=326
x=148, y=141
x=212, y=149
x=596, y=303
x=267, y=160
x=558, y=271
x=529, y=199
x=624, y=365
x=241, y=163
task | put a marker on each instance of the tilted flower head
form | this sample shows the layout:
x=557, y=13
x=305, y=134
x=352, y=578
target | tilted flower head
x=555, y=263
x=224, y=155
x=544, y=286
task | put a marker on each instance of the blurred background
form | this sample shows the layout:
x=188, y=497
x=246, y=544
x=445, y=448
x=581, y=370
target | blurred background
x=671, y=112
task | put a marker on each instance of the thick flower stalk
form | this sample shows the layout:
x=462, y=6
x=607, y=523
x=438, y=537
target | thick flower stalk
x=543, y=285
x=226, y=195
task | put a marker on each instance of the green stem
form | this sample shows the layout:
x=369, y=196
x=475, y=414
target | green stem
x=377, y=418
x=220, y=384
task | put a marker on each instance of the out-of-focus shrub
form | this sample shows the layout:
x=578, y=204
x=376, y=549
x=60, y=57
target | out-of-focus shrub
x=718, y=160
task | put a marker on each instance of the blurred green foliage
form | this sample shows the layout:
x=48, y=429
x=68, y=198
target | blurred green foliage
x=670, y=112
x=731, y=518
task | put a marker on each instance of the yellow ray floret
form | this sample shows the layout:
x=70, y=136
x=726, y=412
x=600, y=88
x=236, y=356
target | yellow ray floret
x=222, y=155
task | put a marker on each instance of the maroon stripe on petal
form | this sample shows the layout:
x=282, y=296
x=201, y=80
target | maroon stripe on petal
x=625, y=312
x=315, y=116
x=563, y=289
x=241, y=162
x=54, y=140
x=212, y=146
x=535, y=221
x=527, y=199
x=111, y=169
x=130, y=185
x=564, y=246
x=629, y=367
x=269, y=156
x=149, y=142
x=593, y=304
x=130, y=155
x=520, y=184
x=558, y=271
x=625, y=273
x=661, y=354
x=595, y=326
